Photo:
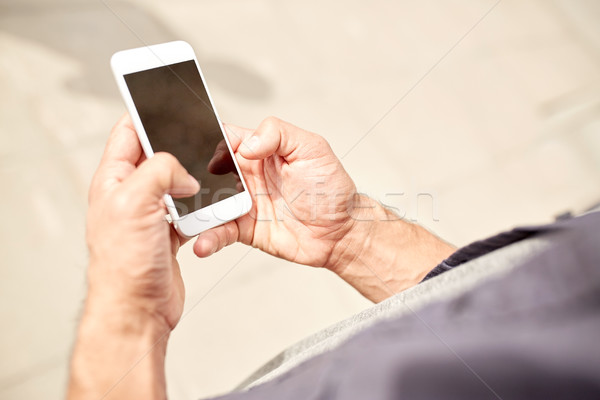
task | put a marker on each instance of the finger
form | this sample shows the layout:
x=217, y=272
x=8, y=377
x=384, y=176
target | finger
x=213, y=240
x=141, y=160
x=159, y=175
x=274, y=136
x=236, y=135
x=177, y=240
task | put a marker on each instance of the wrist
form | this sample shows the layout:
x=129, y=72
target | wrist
x=118, y=354
x=119, y=317
x=364, y=214
x=132, y=299
x=382, y=254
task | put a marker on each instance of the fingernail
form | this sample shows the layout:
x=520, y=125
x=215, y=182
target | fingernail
x=194, y=182
x=252, y=142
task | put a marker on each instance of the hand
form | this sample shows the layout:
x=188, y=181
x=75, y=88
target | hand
x=302, y=195
x=135, y=294
x=306, y=210
x=132, y=247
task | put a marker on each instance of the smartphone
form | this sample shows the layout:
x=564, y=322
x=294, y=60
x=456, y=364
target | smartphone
x=172, y=111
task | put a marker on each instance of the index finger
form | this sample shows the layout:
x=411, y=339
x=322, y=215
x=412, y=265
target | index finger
x=236, y=135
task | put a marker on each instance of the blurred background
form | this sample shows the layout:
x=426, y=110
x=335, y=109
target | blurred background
x=467, y=116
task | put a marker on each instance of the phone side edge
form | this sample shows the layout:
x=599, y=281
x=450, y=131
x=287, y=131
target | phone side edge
x=117, y=60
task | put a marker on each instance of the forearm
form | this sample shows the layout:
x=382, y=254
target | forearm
x=383, y=254
x=117, y=356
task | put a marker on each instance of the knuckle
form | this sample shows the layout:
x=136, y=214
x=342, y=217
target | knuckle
x=320, y=143
x=165, y=158
x=271, y=122
x=231, y=233
x=166, y=162
x=225, y=237
x=120, y=203
x=272, y=119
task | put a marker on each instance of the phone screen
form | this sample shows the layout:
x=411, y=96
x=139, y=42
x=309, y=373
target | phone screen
x=178, y=118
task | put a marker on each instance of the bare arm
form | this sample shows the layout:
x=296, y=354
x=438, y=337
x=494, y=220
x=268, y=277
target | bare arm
x=118, y=354
x=383, y=254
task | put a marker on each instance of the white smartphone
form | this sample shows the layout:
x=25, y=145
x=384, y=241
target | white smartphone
x=172, y=111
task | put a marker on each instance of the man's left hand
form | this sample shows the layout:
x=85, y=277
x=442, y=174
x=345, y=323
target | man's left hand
x=135, y=294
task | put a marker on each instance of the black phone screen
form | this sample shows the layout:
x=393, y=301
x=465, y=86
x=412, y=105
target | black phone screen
x=178, y=118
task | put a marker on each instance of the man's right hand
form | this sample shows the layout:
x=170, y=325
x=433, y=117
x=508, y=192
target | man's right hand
x=301, y=196
x=306, y=210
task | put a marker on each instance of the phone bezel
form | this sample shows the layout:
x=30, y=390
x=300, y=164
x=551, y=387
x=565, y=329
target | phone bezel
x=160, y=55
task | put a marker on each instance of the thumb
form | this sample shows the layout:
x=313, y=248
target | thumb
x=274, y=136
x=162, y=174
